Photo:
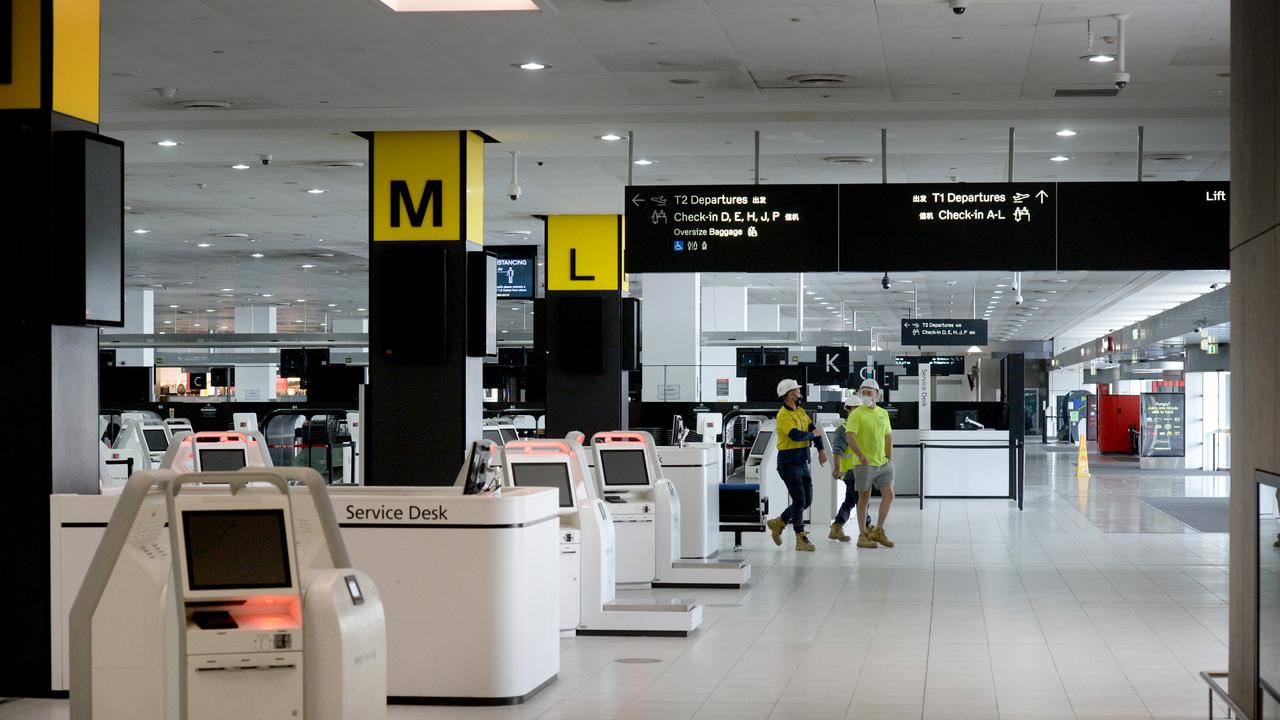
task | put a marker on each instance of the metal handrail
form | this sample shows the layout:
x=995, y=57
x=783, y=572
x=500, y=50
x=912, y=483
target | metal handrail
x=1216, y=689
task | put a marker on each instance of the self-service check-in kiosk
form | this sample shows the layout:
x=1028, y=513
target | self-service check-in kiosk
x=149, y=437
x=217, y=452
x=587, y=549
x=762, y=468
x=226, y=595
x=627, y=468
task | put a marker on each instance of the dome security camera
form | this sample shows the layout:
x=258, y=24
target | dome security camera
x=959, y=6
x=266, y=159
x=884, y=282
x=1121, y=80
x=513, y=191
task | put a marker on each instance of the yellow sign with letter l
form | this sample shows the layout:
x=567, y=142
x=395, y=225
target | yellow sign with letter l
x=584, y=252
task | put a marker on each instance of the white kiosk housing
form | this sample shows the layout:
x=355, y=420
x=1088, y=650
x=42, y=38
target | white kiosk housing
x=248, y=609
x=149, y=437
x=762, y=468
x=627, y=467
x=217, y=452
x=588, y=603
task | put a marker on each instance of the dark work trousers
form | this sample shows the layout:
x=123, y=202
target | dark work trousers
x=850, y=499
x=800, y=486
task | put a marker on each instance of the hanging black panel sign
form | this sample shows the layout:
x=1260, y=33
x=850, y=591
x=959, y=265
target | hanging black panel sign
x=742, y=228
x=944, y=331
x=971, y=226
x=830, y=366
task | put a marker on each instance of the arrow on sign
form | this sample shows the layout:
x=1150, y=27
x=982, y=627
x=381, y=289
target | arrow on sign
x=637, y=200
x=1041, y=196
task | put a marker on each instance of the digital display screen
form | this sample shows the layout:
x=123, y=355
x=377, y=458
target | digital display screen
x=235, y=549
x=746, y=228
x=157, y=440
x=103, y=232
x=761, y=443
x=624, y=468
x=546, y=475
x=1162, y=419
x=515, y=277
x=222, y=459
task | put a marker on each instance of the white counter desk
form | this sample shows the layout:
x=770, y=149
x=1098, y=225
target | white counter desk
x=956, y=463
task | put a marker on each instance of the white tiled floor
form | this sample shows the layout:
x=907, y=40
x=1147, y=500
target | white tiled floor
x=981, y=611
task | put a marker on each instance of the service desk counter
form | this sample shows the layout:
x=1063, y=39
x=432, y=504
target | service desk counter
x=952, y=463
x=696, y=472
x=470, y=584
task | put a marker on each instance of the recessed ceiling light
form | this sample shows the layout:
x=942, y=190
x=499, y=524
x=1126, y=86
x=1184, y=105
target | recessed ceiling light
x=610, y=137
x=168, y=143
x=301, y=300
x=532, y=66
x=239, y=166
x=1059, y=158
x=297, y=322
x=266, y=295
x=317, y=191
x=308, y=266
x=257, y=255
x=361, y=310
x=1099, y=57
x=333, y=304
x=1066, y=132
x=209, y=310
x=173, y=307
x=140, y=231
x=168, y=322
x=204, y=245
x=643, y=161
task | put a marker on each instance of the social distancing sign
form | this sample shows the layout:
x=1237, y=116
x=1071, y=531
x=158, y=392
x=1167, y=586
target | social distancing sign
x=584, y=252
x=427, y=186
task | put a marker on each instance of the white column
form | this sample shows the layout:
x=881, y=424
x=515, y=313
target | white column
x=672, y=335
x=256, y=382
x=764, y=318
x=724, y=309
x=139, y=319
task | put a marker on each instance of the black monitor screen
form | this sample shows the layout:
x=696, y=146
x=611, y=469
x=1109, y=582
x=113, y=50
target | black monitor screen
x=157, y=440
x=762, y=442
x=494, y=436
x=624, y=468
x=221, y=459
x=234, y=549
x=547, y=475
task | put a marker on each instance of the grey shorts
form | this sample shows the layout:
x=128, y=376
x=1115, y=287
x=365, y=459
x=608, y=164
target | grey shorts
x=864, y=476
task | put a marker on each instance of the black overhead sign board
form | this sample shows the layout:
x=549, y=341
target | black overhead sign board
x=923, y=227
x=760, y=228
x=943, y=331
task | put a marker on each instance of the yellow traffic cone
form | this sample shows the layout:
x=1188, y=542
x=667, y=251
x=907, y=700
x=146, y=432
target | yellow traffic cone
x=1082, y=461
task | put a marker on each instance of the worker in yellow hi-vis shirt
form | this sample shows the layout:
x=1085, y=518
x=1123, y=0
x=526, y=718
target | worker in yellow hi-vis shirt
x=795, y=432
x=871, y=439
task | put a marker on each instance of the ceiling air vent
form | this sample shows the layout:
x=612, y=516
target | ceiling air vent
x=1170, y=157
x=850, y=159
x=341, y=164
x=818, y=80
x=204, y=104
x=1085, y=92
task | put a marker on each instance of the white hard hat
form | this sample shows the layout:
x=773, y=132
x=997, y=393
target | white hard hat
x=850, y=398
x=870, y=383
x=787, y=386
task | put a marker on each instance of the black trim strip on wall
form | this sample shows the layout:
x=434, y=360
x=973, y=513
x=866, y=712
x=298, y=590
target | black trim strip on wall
x=85, y=524
x=447, y=526
x=469, y=701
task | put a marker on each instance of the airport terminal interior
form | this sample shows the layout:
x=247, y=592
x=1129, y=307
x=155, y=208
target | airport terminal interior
x=642, y=359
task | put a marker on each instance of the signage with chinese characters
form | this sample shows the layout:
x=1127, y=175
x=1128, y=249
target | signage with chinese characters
x=942, y=331
x=748, y=228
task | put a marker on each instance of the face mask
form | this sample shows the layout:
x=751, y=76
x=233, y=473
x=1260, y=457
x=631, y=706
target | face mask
x=868, y=401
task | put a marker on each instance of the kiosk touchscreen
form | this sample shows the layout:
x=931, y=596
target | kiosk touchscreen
x=628, y=461
x=217, y=452
x=223, y=457
x=157, y=439
x=546, y=475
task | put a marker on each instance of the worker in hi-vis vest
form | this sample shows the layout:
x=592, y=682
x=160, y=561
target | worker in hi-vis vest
x=868, y=432
x=795, y=432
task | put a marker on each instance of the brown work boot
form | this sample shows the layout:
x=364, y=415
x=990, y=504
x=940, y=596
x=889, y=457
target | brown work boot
x=837, y=532
x=802, y=542
x=865, y=540
x=877, y=534
x=776, y=526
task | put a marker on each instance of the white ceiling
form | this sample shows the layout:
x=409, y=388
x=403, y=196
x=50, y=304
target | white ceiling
x=303, y=75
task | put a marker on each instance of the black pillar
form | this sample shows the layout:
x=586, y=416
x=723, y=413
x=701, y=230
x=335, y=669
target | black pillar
x=424, y=402
x=50, y=356
x=1014, y=382
x=586, y=383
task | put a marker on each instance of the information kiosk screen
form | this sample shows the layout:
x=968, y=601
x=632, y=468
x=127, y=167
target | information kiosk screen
x=762, y=442
x=222, y=459
x=624, y=468
x=236, y=549
x=547, y=475
x=157, y=440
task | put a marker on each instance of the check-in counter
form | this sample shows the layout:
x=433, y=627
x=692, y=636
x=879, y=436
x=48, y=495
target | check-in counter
x=470, y=584
x=952, y=463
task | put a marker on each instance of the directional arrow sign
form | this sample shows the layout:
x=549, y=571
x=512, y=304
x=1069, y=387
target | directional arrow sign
x=1041, y=196
x=637, y=200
